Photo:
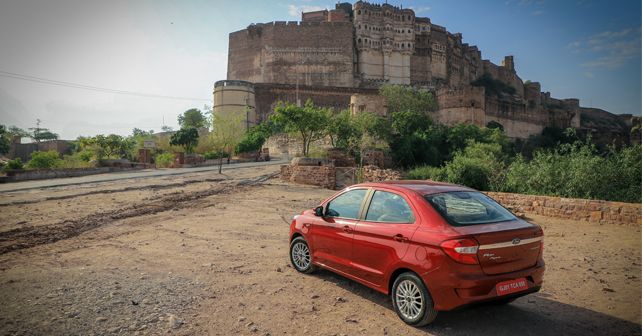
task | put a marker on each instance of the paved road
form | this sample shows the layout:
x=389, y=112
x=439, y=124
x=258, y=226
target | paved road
x=37, y=184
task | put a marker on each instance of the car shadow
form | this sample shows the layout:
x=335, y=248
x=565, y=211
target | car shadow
x=534, y=314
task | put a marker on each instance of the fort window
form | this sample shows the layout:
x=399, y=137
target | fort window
x=359, y=12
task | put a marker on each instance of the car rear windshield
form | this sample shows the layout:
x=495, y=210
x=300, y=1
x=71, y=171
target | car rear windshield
x=461, y=208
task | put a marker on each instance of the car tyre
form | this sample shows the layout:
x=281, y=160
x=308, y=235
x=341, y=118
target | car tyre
x=412, y=301
x=301, y=256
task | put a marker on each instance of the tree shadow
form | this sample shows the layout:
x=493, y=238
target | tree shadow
x=533, y=314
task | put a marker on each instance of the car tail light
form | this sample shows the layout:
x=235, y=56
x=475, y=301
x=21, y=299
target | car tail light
x=462, y=250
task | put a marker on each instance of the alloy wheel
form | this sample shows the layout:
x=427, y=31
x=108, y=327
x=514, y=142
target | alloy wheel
x=409, y=299
x=301, y=255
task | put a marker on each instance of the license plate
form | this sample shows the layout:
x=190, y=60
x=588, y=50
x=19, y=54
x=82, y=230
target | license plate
x=511, y=286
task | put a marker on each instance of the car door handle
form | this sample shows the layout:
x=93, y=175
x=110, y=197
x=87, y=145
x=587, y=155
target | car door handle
x=347, y=228
x=306, y=225
x=400, y=238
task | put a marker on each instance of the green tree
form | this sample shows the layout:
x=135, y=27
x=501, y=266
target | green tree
x=113, y=145
x=255, y=137
x=137, y=132
x=186, y=138
x=406, y=98
x=228, y=132
x=44, y=135
x=5, y=140
x=17, y=131
x=192, y=118
x=41, y=134
x=309, y=121
x=414, y=140
x=342, y=129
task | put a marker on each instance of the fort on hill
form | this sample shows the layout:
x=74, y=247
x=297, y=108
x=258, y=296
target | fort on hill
x=340, y=57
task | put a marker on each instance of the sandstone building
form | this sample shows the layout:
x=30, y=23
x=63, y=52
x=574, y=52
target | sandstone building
x=332, y=55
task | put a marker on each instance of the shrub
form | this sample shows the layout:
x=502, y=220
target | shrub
x=14, y=164
x=75, y=161
x=479, y=166
x=164, y=160
x=44, y=160
x=254, y=138
x=85, y=155
x=575, y=170
x=215, y=155
x=427, y=173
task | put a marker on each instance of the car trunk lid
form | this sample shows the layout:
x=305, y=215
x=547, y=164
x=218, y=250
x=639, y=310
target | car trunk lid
x=506, y=246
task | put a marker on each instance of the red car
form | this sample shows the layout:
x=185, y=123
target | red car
x=430, y=246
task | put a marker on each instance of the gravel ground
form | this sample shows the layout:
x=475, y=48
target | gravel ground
x=207, y=254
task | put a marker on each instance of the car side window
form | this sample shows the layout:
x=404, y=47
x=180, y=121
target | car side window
x=388, y=207
x=346, y=205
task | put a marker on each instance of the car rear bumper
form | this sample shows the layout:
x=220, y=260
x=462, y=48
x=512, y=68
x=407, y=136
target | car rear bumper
x=462, y=289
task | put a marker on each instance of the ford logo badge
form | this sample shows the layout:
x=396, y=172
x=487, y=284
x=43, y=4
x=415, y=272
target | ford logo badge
x=516, y=241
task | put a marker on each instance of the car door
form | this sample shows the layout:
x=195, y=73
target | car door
x=383, y=236
x=331, y=235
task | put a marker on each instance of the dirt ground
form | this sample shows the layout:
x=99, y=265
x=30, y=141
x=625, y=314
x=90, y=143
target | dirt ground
x=208, y=254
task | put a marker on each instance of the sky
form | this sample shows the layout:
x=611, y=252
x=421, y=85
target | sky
x=160, y=58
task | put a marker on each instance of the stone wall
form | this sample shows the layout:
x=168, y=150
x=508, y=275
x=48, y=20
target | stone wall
x=338, y=98
x=323, y=176
x=568, y=208
x=310, y=53
x=373, y=103
x=23, y=151
x=376, y=174
x=41, y=174
x=572, y=208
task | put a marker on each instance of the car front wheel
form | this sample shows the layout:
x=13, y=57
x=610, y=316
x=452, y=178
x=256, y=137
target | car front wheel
x=300, y=256
x=411, y=300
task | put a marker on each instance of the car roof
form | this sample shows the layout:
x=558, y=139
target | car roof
x=423, y=187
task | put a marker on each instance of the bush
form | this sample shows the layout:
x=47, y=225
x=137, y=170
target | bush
x=15, y=164
x=164, y=160
x=254, y=138
x=44, y=160
x=85, y=155
x=575, y=170
x=427, y=173
x=215, y=155
x=75, y=161
x=479, y=166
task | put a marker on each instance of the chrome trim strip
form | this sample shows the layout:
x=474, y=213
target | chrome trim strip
x=510, y=243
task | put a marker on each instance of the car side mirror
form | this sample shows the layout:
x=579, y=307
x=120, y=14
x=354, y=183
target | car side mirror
x=318, y=211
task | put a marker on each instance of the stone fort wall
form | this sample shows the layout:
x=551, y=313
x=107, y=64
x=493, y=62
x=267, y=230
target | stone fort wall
x=362, y=46
x=269, y=94
x=308, y=53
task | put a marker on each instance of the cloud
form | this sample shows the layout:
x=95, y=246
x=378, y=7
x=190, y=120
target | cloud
x=589, y=74
x=295, y=11
x=538, y=12
x=610, y=49
x=421, y=9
